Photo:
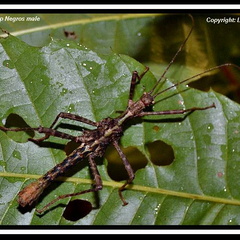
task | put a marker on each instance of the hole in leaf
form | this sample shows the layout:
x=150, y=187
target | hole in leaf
x=70, y=147
x=161, y=153
x=15, y=121
x=70, y=34
x=77, y=209
x=116, y=169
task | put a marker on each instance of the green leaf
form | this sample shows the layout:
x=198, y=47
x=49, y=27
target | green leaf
x=200, y=186
x=125, y=33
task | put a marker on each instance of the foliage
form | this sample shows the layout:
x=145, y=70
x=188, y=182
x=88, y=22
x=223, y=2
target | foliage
x=90, y=75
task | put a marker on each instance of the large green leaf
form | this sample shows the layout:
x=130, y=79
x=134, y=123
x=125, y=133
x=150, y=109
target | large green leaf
x=201, y=185
x=126, y=33
x=143, y=36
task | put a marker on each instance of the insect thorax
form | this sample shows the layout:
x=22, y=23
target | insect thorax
x=98, y=139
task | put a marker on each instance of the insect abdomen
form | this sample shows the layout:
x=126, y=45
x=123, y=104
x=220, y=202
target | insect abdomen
x=32, y=191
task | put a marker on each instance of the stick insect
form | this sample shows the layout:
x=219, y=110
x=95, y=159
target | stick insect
x=93, y=143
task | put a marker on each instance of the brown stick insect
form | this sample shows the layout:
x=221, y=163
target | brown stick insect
x=93, y=143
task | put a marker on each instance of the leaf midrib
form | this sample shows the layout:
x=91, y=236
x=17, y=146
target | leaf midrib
x=134, y=187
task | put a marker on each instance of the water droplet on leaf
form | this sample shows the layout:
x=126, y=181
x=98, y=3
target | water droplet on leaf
x=64, y=91
x=17, y=154
x=8, y=64
x=210, y=127
x=71, y=108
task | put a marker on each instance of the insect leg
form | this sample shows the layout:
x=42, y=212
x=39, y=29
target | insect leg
x=178, y=111
x=51, y=132
x=75, y=117
x=69, y=116
x=48, y=132
x=66, y=116
x=97, y=187
x=128, y=169
x=135, y=77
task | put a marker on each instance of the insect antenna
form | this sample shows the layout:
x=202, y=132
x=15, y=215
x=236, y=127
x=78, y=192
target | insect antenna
x=174, y=57
x=196, y=76
x=190, y=78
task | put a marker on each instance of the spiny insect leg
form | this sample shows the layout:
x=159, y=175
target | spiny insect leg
x=135, y=77
x=98, y=186
x=95, y=173
x=69, y=116
x=128, y=169
x=177, y=111
x=75, y=117
x=51, y=132
x=48, y=131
